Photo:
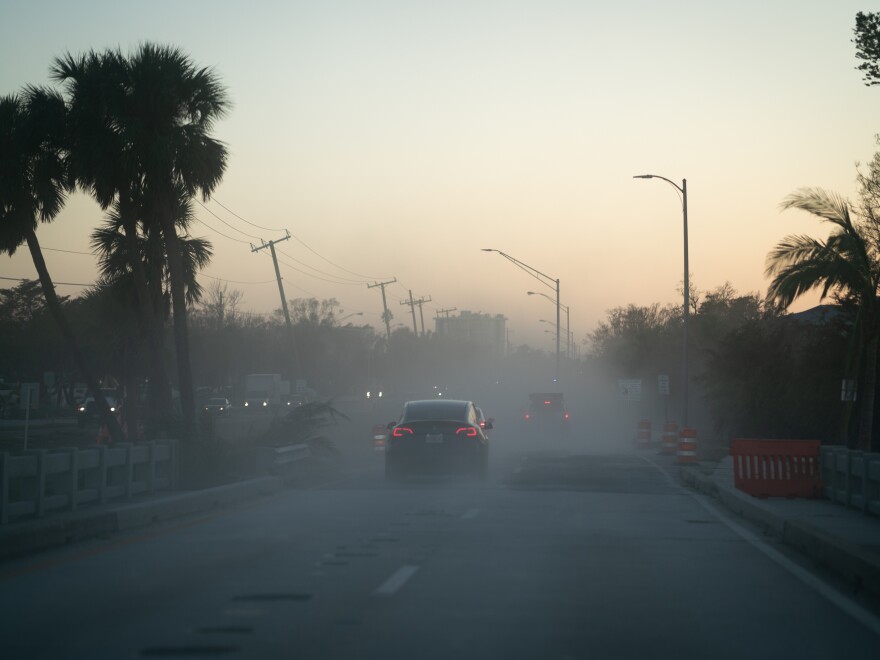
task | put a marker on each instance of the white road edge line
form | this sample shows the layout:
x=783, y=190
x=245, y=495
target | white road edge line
x=470, y=514
x=860, y=614
x=399, y=578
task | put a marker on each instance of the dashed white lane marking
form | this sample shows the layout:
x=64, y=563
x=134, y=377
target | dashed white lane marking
x=399, y=578
x=470, y=514
x=860, y=614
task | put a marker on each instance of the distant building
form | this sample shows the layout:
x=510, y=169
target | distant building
x=488, y=330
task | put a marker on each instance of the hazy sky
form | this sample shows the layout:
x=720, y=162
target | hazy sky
x=396, y=139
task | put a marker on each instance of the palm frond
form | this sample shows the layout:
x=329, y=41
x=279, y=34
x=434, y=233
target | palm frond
x=828, y=206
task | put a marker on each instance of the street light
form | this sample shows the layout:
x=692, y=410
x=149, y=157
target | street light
x=567, y=318
x=687, y=285
x=547, y=281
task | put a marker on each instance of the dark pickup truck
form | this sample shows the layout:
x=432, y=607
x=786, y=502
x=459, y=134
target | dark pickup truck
x=547, y=408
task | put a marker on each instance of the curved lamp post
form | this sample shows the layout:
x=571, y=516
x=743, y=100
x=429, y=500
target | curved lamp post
x=567, y=318
x=687, y=286
x=547, y=281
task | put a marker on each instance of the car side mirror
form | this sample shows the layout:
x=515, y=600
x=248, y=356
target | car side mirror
x=489, y=424
x=390, y=425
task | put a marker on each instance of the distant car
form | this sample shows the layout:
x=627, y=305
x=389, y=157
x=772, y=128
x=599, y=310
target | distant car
x=87, y=411
x=437, y=436
x=547, y=410
x=296, y=400
x=215, y=405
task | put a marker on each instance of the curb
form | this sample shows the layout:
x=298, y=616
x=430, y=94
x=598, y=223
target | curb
x=33, y=536
x=849, y=562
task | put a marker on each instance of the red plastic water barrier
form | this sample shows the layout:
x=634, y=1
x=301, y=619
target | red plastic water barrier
x=777, y=468
x=669, y=439
x=686, y=452
x=643, y=437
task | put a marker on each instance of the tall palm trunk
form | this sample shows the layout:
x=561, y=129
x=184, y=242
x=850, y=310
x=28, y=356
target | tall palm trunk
x=178, y=306
x=58, y=314
x=151, y=321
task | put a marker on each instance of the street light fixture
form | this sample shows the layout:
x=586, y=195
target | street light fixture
x=682, y=189
x=547, y=281
x=567, y=318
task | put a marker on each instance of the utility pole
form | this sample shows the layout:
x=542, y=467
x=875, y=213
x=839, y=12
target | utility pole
x=437, y=318
x=294, y=353
x=386, y=315
x=412, y=307
x=420, y=302
x=412, y=303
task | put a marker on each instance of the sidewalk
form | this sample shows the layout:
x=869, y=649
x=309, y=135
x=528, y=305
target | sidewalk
x=843, y=540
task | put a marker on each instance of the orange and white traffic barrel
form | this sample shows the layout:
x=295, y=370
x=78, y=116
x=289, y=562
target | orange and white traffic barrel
x=643, y=435
x=686, y=454
x=669, y=440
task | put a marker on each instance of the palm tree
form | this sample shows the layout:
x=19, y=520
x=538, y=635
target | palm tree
x=118, y=279
x=163, y=122
x=33, y=187
x=847, y=265
x=102, y=163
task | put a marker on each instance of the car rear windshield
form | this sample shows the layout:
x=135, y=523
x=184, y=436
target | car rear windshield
x=417, y=411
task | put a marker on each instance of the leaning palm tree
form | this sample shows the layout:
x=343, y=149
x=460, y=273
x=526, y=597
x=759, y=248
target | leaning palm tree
x=846, y=265
x=33, y=187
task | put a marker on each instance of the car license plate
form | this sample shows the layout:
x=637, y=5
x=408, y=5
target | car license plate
x=434, y=439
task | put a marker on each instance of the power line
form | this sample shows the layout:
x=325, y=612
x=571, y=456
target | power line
x=90, y=254
x=323, y=279
x=302, y=263
x=246, y=221
x=294, y=236
x=237, y=240
x=223, y=279
x=226, y=223
x=28, y=279
x=335, y=265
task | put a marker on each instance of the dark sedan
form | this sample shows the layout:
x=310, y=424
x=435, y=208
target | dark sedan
x=437, y=436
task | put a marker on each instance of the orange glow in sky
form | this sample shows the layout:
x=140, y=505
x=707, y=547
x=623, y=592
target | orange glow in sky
x=397, y=139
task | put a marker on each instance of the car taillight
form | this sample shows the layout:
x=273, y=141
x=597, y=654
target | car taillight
x=468, y=431
x=565, y=415
x=527, y=417
x=401, y=431
x=482, y=424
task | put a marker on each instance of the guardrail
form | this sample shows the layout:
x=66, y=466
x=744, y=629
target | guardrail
x=852, y=478
x=45, y=480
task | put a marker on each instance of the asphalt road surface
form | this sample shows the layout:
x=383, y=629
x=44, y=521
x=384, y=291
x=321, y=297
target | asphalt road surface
x=575, y=550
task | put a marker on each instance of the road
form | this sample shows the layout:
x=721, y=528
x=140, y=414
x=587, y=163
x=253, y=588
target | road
x=573, y=551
